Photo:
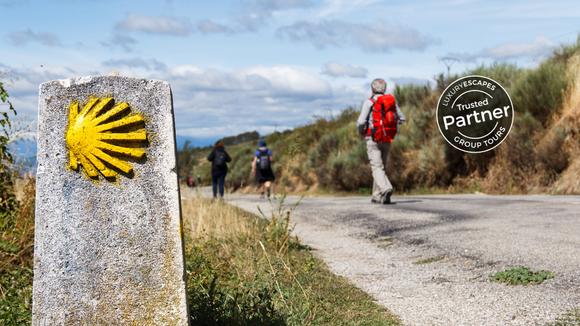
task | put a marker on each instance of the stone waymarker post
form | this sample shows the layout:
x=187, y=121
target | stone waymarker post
x=108, y=248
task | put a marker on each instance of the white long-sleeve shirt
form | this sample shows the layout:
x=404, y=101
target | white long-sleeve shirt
x=364, y=119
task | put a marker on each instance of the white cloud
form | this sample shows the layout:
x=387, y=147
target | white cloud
x=177, y=26
x=368, y=37
x=538, y=48
x=410, y=81
x=210, y=102
x=273, y=5
x=147, y=64
x=211, y=27
x=334, y=69
x=288, y=81
x=275, y=81
x=122, y=41
x=336, y=7
x=20, y=38
x=255, y=14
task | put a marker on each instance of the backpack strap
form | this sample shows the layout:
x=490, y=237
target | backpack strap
x=372, y=107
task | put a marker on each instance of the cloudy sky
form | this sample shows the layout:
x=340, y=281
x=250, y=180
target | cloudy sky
x=267, y=65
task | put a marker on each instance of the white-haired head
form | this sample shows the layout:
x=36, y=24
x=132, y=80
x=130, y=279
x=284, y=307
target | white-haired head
x=379, y=86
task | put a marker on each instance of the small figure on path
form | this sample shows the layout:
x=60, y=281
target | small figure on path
x=262, y=168
x=190, y=182
x=219, y=167
x=377, y=123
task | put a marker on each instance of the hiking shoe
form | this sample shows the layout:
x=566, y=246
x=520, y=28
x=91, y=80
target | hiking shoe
x=376, y=201
x=387, y=199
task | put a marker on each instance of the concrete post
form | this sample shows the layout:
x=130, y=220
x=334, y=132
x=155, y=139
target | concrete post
x=108, y=241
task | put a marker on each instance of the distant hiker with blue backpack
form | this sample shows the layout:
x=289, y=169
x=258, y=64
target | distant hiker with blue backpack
x=262, y=168
x=378, y=123
x=219, y=168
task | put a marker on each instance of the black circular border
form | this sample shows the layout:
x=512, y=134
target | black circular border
x=437, y=114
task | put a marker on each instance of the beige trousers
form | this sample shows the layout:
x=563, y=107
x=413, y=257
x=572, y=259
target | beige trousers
x=378, y=154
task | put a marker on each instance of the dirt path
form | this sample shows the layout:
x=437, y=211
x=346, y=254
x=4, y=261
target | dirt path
x=378, y=247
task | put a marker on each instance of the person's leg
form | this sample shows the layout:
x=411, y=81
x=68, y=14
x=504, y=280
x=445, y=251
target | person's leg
x=381, y=184
x=222, y=180
x=214, y=183
x=267, y=185
x=385, y=157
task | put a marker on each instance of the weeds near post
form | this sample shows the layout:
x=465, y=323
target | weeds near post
x=279, y=229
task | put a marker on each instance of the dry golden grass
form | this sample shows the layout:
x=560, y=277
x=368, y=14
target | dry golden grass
x=569, y=122
x=17, y=233
x=203, y=218
x=247, y=270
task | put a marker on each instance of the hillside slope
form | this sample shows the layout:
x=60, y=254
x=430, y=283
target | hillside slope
x=541, y=154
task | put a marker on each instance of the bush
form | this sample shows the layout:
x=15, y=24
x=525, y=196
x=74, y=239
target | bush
x=550, y=154
x=411, y=95
x=506, y=74
x=240, y=168
x=16, y=235
x=541, y=91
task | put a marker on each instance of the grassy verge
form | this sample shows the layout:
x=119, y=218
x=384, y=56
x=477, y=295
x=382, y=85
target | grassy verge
x=246, y=270
x=16, y=246
x=521, y=276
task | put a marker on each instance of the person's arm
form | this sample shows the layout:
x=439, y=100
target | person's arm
x=270, y=155
x=211, y=156
x=228, y=157
x=401, y=115
x=254, y=165
x=362, y=121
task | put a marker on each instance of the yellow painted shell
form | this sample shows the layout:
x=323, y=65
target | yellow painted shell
x=98, y=139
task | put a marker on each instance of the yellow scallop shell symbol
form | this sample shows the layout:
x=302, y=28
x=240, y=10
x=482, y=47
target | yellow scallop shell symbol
x=103, y=136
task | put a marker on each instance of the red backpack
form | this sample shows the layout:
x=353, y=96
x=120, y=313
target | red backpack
x=383, y=127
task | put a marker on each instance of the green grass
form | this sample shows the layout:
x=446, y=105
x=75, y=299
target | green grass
x=429, y=260
x=521, y=276
x=15, y=296
x=263, y=276
x=241, y=270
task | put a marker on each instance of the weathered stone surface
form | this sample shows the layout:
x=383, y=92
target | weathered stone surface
x=108, y=253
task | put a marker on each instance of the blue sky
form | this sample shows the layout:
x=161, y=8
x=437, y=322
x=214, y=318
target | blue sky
x=267, y=65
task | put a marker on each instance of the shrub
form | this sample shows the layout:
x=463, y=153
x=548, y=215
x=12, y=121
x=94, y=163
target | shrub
x=506, y=74
x=240, y=168
x=541, y=91
x=550, y=154
x=411, y=95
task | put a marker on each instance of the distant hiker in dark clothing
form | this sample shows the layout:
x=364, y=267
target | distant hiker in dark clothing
x=262, y=168
x=219, y=168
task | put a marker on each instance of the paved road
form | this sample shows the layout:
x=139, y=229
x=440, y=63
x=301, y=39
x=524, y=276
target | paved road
x=377, y=248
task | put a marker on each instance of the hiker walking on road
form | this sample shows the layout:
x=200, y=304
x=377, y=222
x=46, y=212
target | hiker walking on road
x=377, y=123
x=219, y=167
x=262, y=168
